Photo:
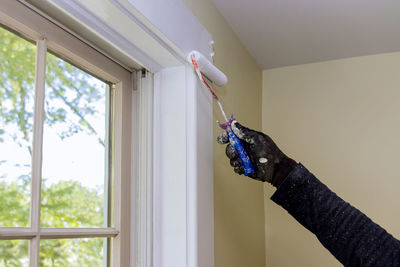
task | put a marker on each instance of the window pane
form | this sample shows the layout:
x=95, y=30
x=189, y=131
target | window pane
x=14, y=253
x=72, y=252
x=17, y=78
x=74, y=147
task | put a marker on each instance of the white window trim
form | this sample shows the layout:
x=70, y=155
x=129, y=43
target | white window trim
x=47, y=35
x=182, y=176
x=142, y=170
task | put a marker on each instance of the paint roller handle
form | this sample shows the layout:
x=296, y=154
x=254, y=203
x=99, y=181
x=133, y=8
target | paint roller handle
x=270, y=164
x=244, y=158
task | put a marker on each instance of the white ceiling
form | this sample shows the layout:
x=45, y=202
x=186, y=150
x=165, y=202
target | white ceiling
x=289, y=32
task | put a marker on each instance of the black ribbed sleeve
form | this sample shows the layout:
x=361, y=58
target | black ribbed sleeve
x=345, y=231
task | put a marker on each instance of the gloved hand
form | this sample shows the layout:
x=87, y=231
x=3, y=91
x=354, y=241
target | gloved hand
x=269, y=163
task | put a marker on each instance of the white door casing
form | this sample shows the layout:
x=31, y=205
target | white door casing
x=183, y=194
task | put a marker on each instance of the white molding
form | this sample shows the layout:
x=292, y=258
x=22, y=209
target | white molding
x=192, y=169
x=143, y=169
x=170, y=235
x=104, y=24
x=199, y=187
x=171, y=23
x=183, y=175
x=156, y=34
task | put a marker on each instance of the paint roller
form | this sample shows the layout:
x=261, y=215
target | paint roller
x=203, y=66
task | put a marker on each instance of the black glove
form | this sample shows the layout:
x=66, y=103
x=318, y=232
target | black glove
x=269, y=163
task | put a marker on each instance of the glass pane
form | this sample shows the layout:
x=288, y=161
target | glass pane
x=74, y=147
x=14, y=253
x=17, y=78
x=72, y=252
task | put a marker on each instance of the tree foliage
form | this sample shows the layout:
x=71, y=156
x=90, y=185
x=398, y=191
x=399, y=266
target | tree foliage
x=70, y=98
x=17, y=72
x=68, y=91
x=64, y=204
x=69, y=204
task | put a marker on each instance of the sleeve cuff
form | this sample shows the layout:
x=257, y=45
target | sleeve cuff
x=288, y=188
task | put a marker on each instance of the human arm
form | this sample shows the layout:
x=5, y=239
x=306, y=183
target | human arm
x=345, y=231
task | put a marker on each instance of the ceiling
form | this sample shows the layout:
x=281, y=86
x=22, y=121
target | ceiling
x=290, y=32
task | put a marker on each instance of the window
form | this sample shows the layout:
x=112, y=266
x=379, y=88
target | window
x=64, y=148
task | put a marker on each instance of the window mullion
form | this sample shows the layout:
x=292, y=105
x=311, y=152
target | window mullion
x=36, y=182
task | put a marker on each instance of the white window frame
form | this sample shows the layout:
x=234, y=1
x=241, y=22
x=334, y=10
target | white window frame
x=172, y=191
x=49, y=36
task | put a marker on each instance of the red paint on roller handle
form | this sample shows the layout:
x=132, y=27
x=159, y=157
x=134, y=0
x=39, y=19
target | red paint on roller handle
x=202, y=77
x=236, y=143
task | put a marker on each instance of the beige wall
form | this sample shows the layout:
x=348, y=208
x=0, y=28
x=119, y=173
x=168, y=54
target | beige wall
x=239, y=215
x=341, y=119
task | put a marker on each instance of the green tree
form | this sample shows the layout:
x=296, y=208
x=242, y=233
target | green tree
x=68, y=92
x=17, y=70
x=64, y=203
x=14, y=202
x=14, y=208
x=69, y=204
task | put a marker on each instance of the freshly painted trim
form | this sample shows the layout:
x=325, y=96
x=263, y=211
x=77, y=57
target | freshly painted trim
x=183, y=171
x=170, y=242
x=171, y=23
x=128, y=9
x=191, y=170
x=203, y=181
x=157, y=34
x=199, y=172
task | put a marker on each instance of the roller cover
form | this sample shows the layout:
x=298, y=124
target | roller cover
x=208, y=69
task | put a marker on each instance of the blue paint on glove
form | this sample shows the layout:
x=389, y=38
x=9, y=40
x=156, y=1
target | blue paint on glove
x=244, y=158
